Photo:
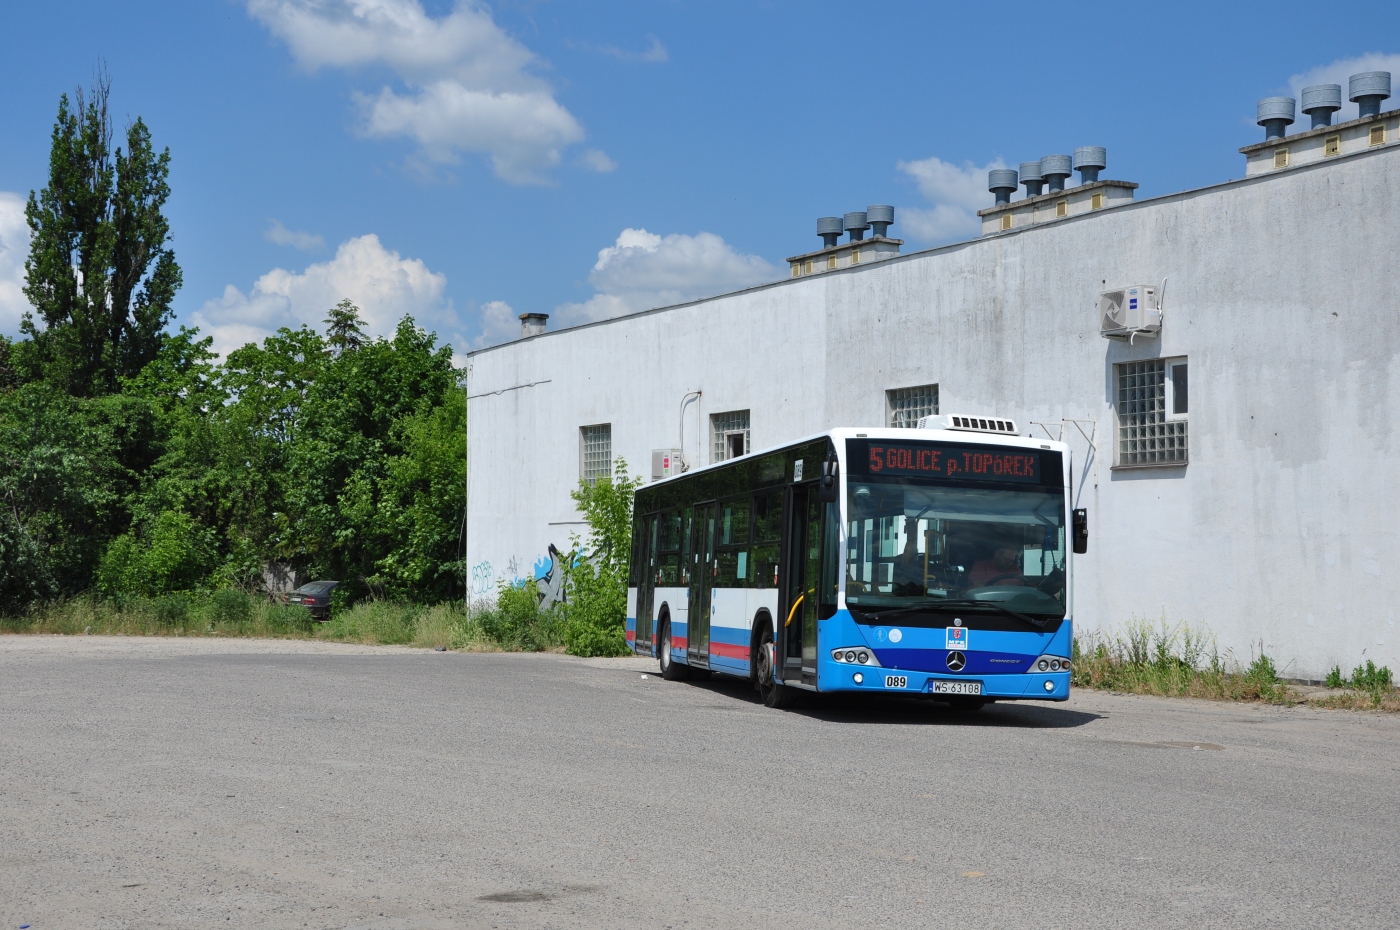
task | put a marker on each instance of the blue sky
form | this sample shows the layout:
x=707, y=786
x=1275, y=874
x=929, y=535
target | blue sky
x=467, y=162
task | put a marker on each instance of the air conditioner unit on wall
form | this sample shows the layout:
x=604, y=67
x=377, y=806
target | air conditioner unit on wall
x=1130, y=311
x=665, y=463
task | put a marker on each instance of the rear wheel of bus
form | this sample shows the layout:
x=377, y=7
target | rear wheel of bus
x=669, y=669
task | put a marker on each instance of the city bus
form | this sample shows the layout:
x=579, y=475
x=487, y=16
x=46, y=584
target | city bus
x=930, y=562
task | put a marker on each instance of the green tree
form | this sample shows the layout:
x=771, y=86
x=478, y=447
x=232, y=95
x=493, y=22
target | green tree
x=597, y=580
x=100, y=272
x=344, y=328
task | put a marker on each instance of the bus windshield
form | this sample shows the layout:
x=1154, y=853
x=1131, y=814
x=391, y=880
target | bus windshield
x=915, y=541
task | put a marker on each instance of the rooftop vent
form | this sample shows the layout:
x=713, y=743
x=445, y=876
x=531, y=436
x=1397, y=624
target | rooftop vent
x=976, y=424
x=830, y=229
x=1089, y=160
x=1276, y=115
x=1002, y=183
x=1367, y=90
x=1320, y=101
x=881, y=217
x=532, y=324
x=1054, y=169
x=856, y=224
x=1030, y=176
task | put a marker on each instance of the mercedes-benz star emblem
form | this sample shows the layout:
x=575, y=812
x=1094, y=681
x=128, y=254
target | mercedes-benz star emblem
x=956, y=661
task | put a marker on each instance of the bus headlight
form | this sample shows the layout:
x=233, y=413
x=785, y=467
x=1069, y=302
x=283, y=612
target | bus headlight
x=855, y=655
x=1049, y=686
x=859, y=678
x=1050, y=664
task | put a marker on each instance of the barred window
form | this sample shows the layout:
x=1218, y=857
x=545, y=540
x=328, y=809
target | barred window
x=904, y=406
x=595, y=452
x=1149, y=432
x=729, y=434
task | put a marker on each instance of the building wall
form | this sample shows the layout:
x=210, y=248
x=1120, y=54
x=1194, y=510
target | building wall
x=1281, y=532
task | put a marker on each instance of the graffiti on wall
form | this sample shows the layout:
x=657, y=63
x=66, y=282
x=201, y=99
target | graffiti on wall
x=549, y=578
x=483, y=579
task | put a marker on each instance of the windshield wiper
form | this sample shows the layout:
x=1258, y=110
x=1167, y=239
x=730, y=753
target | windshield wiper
x=962, y=603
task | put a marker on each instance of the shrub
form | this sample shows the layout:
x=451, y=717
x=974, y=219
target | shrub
x=229, y=606
x=174, y=555
x=517, y=623
x=597, y=583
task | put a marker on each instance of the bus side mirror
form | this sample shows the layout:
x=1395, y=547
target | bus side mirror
x=1081, y=531
x=828, y=482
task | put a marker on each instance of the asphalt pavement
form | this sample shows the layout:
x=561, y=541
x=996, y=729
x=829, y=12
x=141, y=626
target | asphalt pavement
x=148, y=783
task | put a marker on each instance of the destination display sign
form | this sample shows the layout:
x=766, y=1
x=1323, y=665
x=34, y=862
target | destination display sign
x=949, y=460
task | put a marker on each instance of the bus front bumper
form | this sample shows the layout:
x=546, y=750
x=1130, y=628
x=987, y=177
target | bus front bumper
x=1052, y=686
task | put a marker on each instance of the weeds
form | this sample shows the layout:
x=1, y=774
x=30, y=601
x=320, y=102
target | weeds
x=1370, y=686
x=1174, y=660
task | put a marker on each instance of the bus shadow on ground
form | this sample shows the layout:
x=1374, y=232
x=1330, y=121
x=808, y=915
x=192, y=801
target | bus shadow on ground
x=908, y=711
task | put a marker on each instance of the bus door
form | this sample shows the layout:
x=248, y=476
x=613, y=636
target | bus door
x=797, y=639
x=646, y=585
x=702, y=581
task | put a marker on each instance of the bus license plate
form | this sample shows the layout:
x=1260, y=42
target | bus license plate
x=955, y=687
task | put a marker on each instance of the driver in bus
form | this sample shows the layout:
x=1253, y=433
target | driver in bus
x=1003, y=568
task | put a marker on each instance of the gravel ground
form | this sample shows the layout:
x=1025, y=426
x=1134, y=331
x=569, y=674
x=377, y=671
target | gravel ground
x=199, y=783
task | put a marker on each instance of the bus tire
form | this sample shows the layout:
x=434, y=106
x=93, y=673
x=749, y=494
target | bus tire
x=670, y=670
x=775, y=695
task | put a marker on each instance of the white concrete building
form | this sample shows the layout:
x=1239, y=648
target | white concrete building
x=1265, y=504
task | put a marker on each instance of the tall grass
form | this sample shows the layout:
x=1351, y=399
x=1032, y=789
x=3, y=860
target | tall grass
x=1174, y=660
x=231, y=613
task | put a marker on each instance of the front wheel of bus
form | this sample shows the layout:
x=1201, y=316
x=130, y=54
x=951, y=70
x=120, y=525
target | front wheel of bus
x=669, y=670
x=774, y=694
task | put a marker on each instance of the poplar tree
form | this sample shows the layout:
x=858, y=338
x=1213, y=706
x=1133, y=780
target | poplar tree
x=100, y=274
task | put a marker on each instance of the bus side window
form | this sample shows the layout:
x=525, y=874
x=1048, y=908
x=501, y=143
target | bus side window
x=767, y=536
x=831, y=561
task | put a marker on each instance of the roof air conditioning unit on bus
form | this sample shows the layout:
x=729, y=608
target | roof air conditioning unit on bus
x=959, y=421
x=665, y=463
x=1130, y=311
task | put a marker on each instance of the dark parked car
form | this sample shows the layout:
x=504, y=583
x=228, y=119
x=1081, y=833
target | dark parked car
x=315, y=596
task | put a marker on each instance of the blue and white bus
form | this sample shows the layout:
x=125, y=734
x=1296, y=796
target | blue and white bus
x=926, y=562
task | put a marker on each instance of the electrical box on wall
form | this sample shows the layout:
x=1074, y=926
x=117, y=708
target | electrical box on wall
x=1130, y=311
x=665, y=463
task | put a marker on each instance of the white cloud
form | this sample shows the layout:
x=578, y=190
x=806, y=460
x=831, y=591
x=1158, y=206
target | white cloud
x=1337, y=73
x=469, y=89
x=956, y=194
x=642, y=270
x=14, y=249
x=598, y=161
x=654, y=54
x=499, y=323
x=281, y=235
x=383, y=284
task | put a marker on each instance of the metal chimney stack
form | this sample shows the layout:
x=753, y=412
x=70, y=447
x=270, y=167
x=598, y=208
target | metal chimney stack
x=1367, y=90
x=1089, y=160
x=1276, y=115
x=1030, y=176
x=1054, y=169
x=1002, y=183
x=1320, y=101
x=856, y=225
x=881, y=217
x=532, y=324
x=830, y=229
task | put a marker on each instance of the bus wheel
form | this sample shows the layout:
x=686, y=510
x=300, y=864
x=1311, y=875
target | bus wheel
x=669, y=670
x=966, y=705
x=774, y=694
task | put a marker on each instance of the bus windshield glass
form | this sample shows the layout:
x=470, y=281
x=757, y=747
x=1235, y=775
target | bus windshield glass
x=932, y=524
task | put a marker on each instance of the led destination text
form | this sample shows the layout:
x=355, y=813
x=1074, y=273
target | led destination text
x=949, y=462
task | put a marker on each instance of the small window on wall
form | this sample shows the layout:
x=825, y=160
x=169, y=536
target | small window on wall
x=595, y=452
x=1378, y=134
x=831, y=263
x=1332, y=146
x=904, y=406
x=1280, y=158
x=1096, y=202
x=1178, y=396
x=1150, y=430
x=729, y=434
x=1006, y=221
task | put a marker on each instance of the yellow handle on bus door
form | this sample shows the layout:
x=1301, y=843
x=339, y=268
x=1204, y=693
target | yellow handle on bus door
x=795, y=604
